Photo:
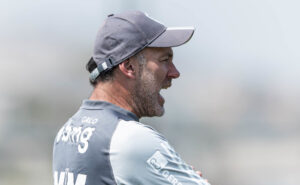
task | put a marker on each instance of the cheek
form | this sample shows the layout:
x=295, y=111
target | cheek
x=162, y=72
x=161, y=75
x=159, y=71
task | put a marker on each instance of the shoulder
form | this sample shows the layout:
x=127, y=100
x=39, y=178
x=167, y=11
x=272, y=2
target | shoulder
x=140, y=155
x=132, y=145
x=135, y=138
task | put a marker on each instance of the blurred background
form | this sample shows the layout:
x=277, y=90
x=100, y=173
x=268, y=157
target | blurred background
x=234, y=113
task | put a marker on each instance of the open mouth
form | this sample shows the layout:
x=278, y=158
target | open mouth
x=161, y=99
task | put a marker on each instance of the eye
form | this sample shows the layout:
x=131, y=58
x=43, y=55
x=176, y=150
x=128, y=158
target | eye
x=165, y=60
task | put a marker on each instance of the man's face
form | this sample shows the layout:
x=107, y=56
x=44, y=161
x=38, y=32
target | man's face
x=156, y=74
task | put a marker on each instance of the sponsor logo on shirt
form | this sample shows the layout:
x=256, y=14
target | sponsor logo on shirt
x=68, y=178
x=158, y=162
x=89, y=120
x=75, y=135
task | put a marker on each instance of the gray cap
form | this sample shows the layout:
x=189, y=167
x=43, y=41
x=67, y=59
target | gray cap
x=124, y=35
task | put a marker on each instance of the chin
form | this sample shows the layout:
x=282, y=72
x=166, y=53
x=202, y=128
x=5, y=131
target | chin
x=160, y=112
x=156, y=112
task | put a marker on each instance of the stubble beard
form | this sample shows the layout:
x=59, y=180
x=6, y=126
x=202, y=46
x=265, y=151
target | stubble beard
x=146, y=95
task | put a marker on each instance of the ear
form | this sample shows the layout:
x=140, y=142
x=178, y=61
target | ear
x=128, y=68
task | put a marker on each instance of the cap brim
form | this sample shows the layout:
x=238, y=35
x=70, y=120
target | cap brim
x=173, y=37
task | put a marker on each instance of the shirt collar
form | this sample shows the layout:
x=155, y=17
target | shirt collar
x=95, y=104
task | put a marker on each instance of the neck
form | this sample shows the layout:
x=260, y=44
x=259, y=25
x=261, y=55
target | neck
x=115, y=93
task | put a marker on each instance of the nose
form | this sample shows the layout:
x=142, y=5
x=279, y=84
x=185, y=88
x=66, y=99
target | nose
x=173, y=72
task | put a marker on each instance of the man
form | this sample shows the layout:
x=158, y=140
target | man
x=104, y=142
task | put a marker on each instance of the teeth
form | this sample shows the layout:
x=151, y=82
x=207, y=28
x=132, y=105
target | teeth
x=166, y=87
x=167, y=84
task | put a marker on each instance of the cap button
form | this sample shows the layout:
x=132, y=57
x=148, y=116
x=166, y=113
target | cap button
x=110, y=15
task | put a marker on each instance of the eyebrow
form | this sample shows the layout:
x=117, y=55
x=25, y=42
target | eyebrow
x=168, y=54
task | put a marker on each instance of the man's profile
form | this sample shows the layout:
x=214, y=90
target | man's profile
x=104, y=142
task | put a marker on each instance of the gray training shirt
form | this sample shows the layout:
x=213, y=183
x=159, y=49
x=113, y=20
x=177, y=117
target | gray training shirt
x=105, y=144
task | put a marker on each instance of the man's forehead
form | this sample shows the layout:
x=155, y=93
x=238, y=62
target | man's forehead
x=159, y=52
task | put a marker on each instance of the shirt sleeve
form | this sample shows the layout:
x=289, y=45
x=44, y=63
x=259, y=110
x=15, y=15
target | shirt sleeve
x=139, y=156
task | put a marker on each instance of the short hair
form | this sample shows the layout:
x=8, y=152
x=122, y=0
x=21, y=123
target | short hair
x=106, y=76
